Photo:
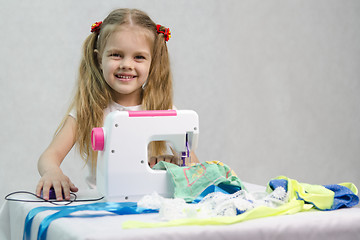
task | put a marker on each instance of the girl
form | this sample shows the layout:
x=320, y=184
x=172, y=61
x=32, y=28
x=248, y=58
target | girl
x=125, y=66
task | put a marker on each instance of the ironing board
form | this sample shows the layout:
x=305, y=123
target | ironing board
x=338, y=224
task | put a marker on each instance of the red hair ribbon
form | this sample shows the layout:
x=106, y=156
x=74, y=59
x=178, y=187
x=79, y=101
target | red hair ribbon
x=96, y=27
x=165, y=31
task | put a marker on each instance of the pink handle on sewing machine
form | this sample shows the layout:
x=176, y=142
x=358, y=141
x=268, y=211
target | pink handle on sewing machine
x=153, y=113
x=97, y=139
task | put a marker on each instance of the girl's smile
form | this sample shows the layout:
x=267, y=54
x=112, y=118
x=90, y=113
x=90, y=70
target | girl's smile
x=125, y=77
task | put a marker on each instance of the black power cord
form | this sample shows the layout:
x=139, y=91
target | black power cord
x=55, y=202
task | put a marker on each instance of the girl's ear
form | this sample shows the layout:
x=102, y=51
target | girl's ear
x=98, y=56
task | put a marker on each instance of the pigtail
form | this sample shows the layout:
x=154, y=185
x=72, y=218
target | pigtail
x=158, y=93
x=92, y=97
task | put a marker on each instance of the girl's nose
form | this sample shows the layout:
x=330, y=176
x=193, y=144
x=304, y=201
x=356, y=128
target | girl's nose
x=126, y=63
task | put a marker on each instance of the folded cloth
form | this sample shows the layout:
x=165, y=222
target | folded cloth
x=191, y=181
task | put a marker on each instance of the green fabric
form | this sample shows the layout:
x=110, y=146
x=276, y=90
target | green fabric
x=316, y=194
x=190, y=182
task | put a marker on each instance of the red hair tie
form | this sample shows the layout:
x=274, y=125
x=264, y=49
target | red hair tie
x=96, y=27
x=165, y=31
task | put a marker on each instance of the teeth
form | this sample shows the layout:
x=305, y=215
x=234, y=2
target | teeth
x=124, y=77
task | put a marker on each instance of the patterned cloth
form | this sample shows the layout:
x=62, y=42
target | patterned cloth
x=191, y=181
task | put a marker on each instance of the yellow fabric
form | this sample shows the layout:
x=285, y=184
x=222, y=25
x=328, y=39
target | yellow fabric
x=317, y=194
x=259, y=212
x=350, y=186
x=322, y=197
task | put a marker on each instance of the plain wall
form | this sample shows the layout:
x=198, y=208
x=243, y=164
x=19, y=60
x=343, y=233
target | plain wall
x=276, y=83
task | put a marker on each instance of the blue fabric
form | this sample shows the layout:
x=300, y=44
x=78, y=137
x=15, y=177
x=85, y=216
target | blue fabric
x=208, y=190
x=122, y=208
x=229, y=188
x=273, y=184
x=344, y=197
x=223, y=188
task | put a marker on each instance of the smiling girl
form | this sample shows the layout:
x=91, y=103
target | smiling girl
x=125, y=66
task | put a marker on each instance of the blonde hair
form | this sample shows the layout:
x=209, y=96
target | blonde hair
x=93, y=94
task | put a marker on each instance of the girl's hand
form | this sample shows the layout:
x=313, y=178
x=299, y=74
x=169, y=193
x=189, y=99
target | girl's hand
x=167, y=158
x=50, y=160
x=175, y=159
x=56, y=179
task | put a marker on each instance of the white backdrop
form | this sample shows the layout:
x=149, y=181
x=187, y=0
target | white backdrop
x=276, y=83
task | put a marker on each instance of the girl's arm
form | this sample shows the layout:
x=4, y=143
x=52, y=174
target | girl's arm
x=50, y=160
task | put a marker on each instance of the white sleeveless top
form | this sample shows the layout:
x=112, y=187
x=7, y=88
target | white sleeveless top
x=112, y=107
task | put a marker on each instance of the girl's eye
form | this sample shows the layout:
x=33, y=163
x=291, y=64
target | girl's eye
x=115, y=55
x=139, y=57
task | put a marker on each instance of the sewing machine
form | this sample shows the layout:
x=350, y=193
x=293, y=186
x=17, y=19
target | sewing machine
x=123, y=173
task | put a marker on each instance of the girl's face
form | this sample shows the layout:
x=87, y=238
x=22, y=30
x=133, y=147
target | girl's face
x=125, y=63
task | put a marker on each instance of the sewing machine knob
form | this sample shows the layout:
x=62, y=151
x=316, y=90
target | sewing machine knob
x=97, y=139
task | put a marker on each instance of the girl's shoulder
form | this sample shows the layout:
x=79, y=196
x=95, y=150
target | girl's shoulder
x=113, y=106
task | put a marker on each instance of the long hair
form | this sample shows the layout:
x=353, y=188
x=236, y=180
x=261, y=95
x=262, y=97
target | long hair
x=93, y=94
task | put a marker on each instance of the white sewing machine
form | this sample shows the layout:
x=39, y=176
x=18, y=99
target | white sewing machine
x=123, y=173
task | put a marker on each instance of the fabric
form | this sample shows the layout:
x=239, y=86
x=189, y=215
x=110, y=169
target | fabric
x=191, y=181
x=315, y=195
x=301, y=197
x=327, y=197
x=214, y=204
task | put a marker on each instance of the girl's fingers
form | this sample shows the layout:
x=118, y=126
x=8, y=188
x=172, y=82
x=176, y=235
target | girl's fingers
x=65, y=190
x=168, y=158
x=39, y=188
x=73, y=188
x=165, y=158
x=160, y=158
x=152, y=161
x=45, y=190
x=58, y=190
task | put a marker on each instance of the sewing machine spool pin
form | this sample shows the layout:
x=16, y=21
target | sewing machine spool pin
x=186, y=154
